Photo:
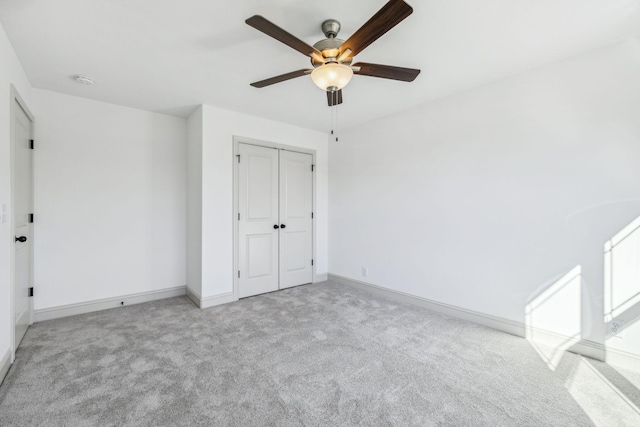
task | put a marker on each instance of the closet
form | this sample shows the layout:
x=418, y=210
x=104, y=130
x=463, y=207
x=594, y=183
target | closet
x=275, y=219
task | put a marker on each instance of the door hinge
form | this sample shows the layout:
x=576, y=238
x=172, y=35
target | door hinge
x=238, y=216
x=238, y=156
x=311, y=215
x=31, y=144
x=30, y=292
x=311, y=262
x=238, y=274
x=30, y=217
x=312, y=167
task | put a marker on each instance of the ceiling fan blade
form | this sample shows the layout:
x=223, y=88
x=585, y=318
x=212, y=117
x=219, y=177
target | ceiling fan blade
x=385, y=19
x=281, y=78
x=334, y=97
x=271, y=29
x=386, y=72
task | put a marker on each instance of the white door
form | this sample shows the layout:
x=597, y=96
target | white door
x=258, y=214
x=296, y=223
x=275, y=222
x=23, y=207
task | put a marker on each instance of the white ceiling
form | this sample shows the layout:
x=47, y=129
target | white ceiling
x=169, y=56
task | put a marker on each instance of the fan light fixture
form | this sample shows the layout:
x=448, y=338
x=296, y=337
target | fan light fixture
x=331, y=57
x=331, y=76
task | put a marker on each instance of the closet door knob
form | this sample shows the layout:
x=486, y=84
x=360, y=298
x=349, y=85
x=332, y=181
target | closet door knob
x=276, y=226
x=283, y=226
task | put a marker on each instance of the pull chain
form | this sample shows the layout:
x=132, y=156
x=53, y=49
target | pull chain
x=334, y=122
x=336, y=128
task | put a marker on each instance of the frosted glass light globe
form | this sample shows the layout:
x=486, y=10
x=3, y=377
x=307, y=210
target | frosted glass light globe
x=331, y=75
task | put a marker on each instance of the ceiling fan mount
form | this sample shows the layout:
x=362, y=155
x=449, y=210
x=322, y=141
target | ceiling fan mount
x=329, y=47
x=331, y=28
x=331, y=57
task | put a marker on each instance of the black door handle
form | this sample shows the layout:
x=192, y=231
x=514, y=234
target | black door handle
x=283, y=226
x=21, y=239
x=276, y=226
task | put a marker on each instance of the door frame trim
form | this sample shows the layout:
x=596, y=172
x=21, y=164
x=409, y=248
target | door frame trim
x=237, y=140
x=17, y=102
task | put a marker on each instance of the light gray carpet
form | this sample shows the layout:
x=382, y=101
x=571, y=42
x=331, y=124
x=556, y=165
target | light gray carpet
x=321, y=354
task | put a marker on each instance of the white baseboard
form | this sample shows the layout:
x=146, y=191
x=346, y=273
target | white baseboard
x=576, y=345
x=5, y=364
x=623, y=359
x=493, y=322
x=323, y=277
x=106, y=303
x=193, y=296
x=211, y=301
x=586, y=348
x=214, y=300
x=590, y=349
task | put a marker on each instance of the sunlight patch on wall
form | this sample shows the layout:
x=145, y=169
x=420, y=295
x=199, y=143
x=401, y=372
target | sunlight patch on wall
x=622, y=270
x=622, y=297
x=553, y=318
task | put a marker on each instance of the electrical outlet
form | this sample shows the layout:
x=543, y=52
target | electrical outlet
x=615, y=328
x=365, y=272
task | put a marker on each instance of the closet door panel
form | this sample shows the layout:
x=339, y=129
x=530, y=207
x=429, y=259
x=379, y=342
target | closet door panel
x=258, y=209
x=296, y=240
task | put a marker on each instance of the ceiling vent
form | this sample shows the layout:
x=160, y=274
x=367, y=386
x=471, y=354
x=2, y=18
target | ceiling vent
x=83, y=80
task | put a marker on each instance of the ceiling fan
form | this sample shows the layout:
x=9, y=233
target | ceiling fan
x=331, y=58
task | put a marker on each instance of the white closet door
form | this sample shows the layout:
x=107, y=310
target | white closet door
x=258, y=209
x=295, y=219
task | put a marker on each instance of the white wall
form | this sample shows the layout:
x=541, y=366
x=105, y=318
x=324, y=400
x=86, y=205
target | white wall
x=484, y=199
x=219, y=127
x=11, y=72
x=110, y=200
x=194, y=202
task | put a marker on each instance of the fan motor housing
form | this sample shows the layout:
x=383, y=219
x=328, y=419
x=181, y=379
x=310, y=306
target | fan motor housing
x=331, y=45
x=329, y=49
